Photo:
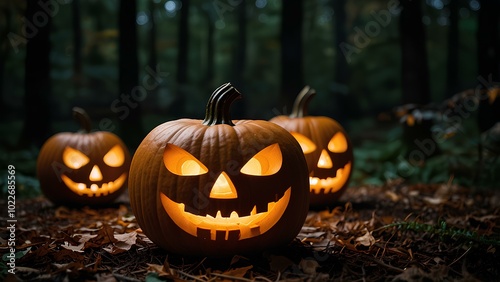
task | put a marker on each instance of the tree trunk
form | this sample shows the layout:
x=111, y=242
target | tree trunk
x=418, y=139
x=4, y=51
x=153, y=58
x=211, y=17
x=291, y=51
x=36, y=127
x=178, y=105
x=210, y=71
x=130, y=93
x=488, y=59
x=239, y=108
x=77, y=44
x=415, y=73
x=343, y=102
x=340, y=19
x=452, y=64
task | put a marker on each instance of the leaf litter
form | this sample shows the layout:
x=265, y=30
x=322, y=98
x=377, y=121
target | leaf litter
x=391, y=232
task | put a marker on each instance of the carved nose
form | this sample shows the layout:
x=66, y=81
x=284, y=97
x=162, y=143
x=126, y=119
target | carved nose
x=324, y=160
x=223, y=188
x=95, y=174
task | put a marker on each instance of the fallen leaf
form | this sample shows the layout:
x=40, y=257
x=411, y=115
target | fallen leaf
x=78, y=248
x=161, y=270
x=238, y=272
x=123, y=243
x=125, y=240
x=366, y=240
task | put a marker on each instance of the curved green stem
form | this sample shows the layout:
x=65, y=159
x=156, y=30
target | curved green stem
x=219, y=103
x=83, y=119
x=302, y=102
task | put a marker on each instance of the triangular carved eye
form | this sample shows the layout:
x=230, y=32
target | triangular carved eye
x=305, y=143
x=266, y=162
x=338, y=143
x=114, y=157
x=74, y=159
x=180, y=162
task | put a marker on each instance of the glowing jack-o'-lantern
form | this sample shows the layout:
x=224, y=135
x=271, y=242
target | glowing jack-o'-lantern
x=214, y=187
x=326, y=147
x=83, y=168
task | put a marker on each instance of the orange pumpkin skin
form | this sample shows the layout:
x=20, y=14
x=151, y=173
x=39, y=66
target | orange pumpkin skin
x=177, y=211
x=328, y=181
x=83, y=168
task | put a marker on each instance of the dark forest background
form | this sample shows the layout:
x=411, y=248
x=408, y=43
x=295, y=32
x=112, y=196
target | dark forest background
x=374, y=64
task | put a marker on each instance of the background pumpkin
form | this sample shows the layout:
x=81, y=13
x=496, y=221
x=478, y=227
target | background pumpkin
x=326, y=147
x=211, y=187
x=83, y=168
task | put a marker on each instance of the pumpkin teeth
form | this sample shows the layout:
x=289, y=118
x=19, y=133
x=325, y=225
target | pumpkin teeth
x=94, y=189
x=248, y=226
x=330, y=184
x=253, y=211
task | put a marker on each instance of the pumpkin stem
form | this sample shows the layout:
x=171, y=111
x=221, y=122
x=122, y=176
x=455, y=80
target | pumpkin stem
x=302, y=101
x=219, y=103
x=83, y=118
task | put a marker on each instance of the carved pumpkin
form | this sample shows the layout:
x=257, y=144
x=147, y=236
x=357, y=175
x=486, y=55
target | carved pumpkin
x=83, y=168
x=211, y=187
x=327, y=149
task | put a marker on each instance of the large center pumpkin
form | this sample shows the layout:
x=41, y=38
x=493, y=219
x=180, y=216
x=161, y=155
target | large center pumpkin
x=214, y=187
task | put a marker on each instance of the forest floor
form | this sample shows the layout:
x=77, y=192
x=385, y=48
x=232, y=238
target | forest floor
x=391, y=232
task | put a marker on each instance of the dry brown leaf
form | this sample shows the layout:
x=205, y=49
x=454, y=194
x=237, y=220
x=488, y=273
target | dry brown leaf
x=238, y=272
x=162, y=271
x=126, y=240
x=78, y=248
x=366, y=240
x=123, y=243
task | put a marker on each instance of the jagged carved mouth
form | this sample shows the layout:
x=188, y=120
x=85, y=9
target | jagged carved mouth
x=330, y=184
x=94, y=189
x=234, y=227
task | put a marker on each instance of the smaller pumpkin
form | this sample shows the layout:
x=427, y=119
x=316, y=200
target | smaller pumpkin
x=327, y=149
x=83, y=168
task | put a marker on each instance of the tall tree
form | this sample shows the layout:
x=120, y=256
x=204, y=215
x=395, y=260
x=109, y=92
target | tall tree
x=342, y=74
x=4, y=50
x=211, y=17
x=340, y=19
x=153, y=57
x=415, y=72
x=488, y=60
x=77, y=44
x=292, y=80
x=130, y=125
x=452, y=63
x=488, y=64
x=240, y=59
x=36, y=127
x=178, y=104
x=418, y=139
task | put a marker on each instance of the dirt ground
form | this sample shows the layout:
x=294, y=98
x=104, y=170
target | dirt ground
x=394, y=232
